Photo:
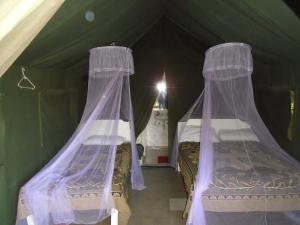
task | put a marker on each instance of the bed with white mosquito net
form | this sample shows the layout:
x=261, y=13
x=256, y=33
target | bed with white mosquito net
x=84, y=196
x=86, y=181
x=239, y=189
x=233, y=170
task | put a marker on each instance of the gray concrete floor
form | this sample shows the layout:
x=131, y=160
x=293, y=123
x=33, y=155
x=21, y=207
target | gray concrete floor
x=152, y=206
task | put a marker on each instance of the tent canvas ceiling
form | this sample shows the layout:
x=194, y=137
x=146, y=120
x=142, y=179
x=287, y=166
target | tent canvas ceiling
x=265, y=25
x=168, y=36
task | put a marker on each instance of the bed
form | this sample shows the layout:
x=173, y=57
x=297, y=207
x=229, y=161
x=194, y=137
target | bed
x=85, y=197
x=239, y=184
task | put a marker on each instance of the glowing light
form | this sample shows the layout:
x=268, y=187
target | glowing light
x=161, y=86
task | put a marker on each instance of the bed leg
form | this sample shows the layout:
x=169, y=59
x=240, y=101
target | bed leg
x=114, y=216
x=29, y=220
x=178, y=168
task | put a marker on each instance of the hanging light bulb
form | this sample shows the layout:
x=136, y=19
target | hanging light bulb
x=161, y=86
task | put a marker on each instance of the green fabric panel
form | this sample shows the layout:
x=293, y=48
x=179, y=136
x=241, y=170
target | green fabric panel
x=149, y=65
x=297, y=112
x=3, y=196
x=23, y=153
x=76, y=107
x=274, y=107
x=2, y=125
x=67, y=38
x=269, y=26
x=54, y=110
x=184, y=57
x=297, y=128
x=285, y=76
x=3, y=190
x=30, y=115
x=143, y=101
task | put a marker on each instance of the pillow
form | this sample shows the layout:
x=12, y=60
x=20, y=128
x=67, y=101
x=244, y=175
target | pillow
x=104, y=127
x=104, y=140
x=237, y=135
x=229, y=124
x=192, y=134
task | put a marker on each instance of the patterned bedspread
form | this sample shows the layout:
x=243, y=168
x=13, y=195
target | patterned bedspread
x=86, y=196
x=245, y=178
x=121, y=170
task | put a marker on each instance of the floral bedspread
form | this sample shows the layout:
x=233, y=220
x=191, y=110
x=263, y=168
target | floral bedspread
x=244, y=173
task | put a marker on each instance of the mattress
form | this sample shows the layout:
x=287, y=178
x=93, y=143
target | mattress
x=85, y=196
x=262, y=183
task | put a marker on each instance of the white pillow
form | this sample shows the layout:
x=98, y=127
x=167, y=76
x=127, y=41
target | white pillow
x=104, y=127
x=219, y=124
x=237, y=135
x=192, y=134
x=104, y=140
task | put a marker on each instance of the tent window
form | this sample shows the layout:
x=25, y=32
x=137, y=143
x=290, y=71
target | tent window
x=154, y=137
x=161, y=102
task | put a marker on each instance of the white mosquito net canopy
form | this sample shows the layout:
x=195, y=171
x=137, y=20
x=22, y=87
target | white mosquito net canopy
x=86, y=162
x=243, y=175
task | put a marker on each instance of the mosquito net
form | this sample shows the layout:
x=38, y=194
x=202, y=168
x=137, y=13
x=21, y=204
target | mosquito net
x=85, y=164
x=235, y=171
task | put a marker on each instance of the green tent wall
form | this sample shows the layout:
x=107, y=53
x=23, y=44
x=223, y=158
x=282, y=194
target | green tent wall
x=34, y=126
x=169, y=36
